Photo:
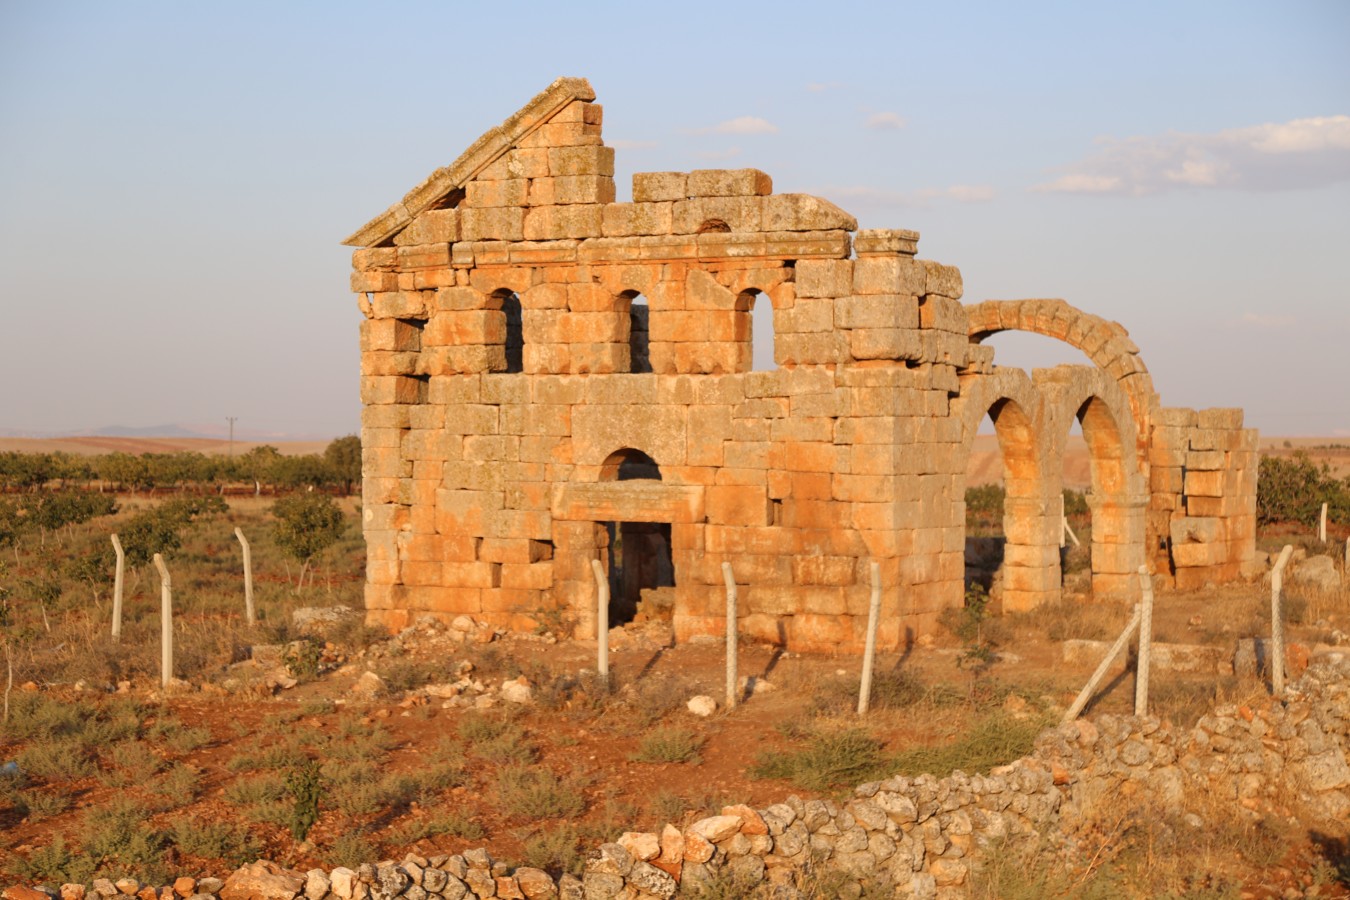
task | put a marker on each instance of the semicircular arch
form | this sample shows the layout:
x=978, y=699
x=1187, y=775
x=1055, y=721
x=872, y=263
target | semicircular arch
x=1107, y=344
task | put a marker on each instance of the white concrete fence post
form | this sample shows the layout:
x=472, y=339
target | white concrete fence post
x=1069, y=532
x=1088, y=689
x=870, y=648
x=165, y=622
x=601, y=619
x=1145, y=644
x=118, y=578
x=1322, y=525
x=1277, y=622
x=249, y=613
x=732, y=629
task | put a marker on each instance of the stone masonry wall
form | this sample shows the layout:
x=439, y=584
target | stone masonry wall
x=502, y=390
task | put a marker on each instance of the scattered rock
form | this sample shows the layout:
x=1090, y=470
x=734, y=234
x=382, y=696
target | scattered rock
x=368, y=686
x=262, y=880
x=318, y=620
x=702, y=705
x=1318, y=572
x=517, y=691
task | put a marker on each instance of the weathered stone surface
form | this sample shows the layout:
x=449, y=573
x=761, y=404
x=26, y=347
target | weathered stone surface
x=262, y=880
x=525, y=334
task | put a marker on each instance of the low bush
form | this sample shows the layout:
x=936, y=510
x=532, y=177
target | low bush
x=669, y=744
x=221, y=839
x=534, y=793
x=829, y=760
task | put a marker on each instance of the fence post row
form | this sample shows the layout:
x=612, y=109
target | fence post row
x=1086, y=693
x=1145, y=644
x=870, y=648
x=165, y=622
x=732, y=628
x=118, y=579
x=248, y=577
x=601, y=620
x=1277, y=621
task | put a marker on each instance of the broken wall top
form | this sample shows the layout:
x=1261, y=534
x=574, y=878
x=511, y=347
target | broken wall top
x=545, y=174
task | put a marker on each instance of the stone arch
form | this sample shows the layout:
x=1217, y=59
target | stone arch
x=629, y=464
x=1119, y=495
x=1107, y=344
x=1033, y=502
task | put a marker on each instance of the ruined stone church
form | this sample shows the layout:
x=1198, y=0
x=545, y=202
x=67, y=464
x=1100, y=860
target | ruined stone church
x=549, y=377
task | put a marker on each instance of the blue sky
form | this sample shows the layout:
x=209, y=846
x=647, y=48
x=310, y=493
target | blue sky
x=175, y=178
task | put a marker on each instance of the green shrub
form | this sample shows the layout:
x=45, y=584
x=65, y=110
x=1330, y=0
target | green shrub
x=65, y=759
x=350, y=849
x=1294, y=489
x=497, y=739
x=220, y=839
x=52, y=864
x=534, y=793
x=119, y=840
x=994, y=740
x=828, y=760
x=555, y=849
x=669, y=745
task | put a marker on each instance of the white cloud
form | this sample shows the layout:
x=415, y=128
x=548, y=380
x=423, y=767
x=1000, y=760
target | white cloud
x=1301, y=153
x=971, y=193
x=870, y=196
x=819, y=87
x=739, y=125
x=884, y=121
x=1264, y=320
x=622, y=144
x=719, y=154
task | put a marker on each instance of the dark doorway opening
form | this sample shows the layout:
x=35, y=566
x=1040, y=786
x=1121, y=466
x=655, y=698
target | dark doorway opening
x=641, y=566
x=641, y=571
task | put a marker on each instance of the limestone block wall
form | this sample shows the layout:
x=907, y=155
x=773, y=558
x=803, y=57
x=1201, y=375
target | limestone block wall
x=1203, y=477
x=527, y=337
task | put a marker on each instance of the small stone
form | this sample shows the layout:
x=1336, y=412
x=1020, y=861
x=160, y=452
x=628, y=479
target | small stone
x=643, y=845
x=751, y=822
x=517, y=691
x=368, y=686
x=185, y=886
x=262, y=880
x=74, y=891
x=209, y=885
x=127, y=886
x=697, y=848
x=104, y=888
x=535, y=884
x=702, y=705
x=316, y=884
x=18, y=892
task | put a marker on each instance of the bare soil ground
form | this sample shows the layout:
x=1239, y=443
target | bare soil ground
x=928, y=696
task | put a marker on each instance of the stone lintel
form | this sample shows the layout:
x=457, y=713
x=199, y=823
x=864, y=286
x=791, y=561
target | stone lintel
x=637, y=500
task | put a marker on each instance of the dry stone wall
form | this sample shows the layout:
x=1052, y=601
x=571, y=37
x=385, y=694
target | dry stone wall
x=528, y=340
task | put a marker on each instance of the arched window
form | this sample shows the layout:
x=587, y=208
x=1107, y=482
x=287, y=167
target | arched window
x=515, y=339
x=639, y=334
x=758, y=309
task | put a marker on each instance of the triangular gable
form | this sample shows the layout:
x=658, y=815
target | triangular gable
x=482, y=153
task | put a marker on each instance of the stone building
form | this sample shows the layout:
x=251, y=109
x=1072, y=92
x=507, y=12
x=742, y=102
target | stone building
x=550, y=377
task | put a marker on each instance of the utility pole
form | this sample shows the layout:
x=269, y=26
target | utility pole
x=231, y=420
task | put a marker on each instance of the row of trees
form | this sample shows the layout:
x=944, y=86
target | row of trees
x=337, y=468
x=1294, y=489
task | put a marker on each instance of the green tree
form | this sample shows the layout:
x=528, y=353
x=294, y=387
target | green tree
x=343, y=457
x=306, y=525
